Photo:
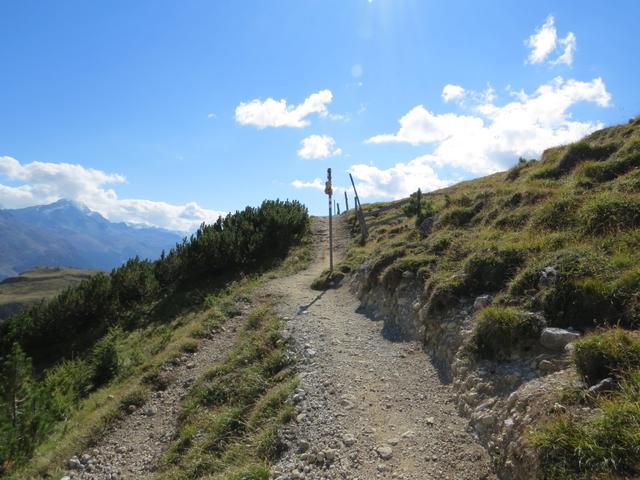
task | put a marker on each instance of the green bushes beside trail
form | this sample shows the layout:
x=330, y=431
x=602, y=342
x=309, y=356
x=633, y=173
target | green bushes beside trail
x=56, y=352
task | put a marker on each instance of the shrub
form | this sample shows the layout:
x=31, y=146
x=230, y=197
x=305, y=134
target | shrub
x=66, y=384
x=502, y=330
x=134, y=282
x=418, y=207
x=610, y=213
x=104, y=358
x=607, y=354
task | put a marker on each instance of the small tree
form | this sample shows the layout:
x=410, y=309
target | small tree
x=17, y=382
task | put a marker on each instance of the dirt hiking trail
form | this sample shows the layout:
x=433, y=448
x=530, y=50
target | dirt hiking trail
x=367, y=407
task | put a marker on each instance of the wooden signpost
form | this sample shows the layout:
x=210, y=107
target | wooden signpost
x=329, y=191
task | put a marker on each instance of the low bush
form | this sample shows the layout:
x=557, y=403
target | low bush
x=500, y=331
x=610, y=353
x=67, y=383
x=104, y=358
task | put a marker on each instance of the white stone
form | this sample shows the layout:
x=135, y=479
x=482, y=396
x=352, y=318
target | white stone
x=557, y=338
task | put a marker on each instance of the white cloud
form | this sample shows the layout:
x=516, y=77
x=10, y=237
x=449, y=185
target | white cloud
x=318, y=146
x=398, y=181
x=276, y=113
x=569, y=44
x=544, y=42
x=492, y=138
x=42, y=182
x=211, y=115
x=452, y=92
x=421, y=126
x=316, y=183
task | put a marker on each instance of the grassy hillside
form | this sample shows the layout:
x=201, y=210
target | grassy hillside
x=61, y=359
x=34, y=285
x=559, y=237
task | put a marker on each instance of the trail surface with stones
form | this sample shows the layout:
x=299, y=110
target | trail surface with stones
x=367, y=407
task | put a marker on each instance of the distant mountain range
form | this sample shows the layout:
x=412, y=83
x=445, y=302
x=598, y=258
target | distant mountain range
x=68, y=234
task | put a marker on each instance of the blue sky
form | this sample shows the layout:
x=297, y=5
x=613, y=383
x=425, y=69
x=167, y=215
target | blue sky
x=158, y=112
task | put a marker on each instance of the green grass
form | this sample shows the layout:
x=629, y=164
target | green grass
x=603, y=444
x=230, y=421
x=611, y=353
x=501, y=331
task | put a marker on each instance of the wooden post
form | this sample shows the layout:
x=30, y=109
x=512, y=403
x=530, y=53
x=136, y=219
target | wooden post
x=346, y=202
x=360, y=213
x=329, y=191
x=337, y=209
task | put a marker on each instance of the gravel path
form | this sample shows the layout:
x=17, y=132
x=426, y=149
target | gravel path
x=367, y=407
x=130, y=450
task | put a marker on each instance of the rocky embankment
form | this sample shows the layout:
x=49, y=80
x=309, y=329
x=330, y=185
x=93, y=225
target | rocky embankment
x=502, y=400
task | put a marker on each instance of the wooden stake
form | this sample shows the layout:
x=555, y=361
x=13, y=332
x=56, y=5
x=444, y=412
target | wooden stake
x=360, y=213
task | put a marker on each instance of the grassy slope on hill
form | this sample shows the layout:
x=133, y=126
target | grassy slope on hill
x=99, y=337
x=34, y=285
x=577, y=210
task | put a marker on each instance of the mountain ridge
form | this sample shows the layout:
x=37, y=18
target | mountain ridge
x=68, y=234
